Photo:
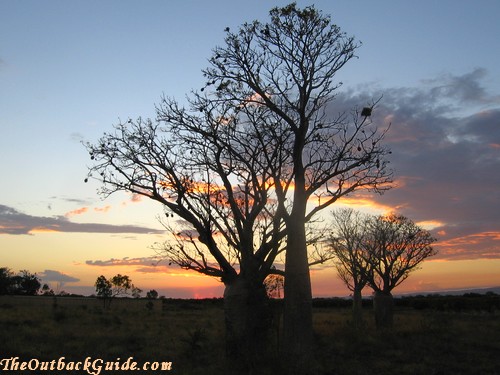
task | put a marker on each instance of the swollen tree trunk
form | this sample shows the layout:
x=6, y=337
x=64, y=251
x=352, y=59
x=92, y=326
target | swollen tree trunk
x=357, y=307
x=383, y=305
x=247, y=320
x=297, y=318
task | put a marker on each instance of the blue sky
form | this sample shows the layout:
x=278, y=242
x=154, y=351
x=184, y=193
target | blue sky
x=71, y=69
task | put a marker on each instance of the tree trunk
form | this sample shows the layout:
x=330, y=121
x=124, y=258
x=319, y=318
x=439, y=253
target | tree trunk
x=357, y=307
x=248, y=320
x=383, y=305
x=297, y=318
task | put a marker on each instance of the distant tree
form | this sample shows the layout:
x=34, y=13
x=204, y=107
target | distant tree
x=396, y=246
x=47, y=291
x=6, y=275
x=152, y=294
x=25, y=283
x=121, y=285
x=103, y=289
x=136, y=292
x=118, y=285
x=351, y=260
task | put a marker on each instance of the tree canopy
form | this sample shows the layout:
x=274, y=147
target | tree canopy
x=23, y=283
x=396, y=246
x=380, y=251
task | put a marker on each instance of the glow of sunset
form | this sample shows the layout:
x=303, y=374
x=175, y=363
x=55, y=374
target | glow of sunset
x=443, y=112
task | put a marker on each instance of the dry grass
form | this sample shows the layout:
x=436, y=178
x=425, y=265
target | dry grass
x=420, y=343
x=191, y=335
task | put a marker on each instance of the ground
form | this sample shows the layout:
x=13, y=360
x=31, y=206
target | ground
x=190, y=335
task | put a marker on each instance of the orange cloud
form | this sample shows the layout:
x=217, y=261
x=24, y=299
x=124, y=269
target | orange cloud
x=102, y=209
x=254, y=99
x=43, y=230
x=360, y=202
x=136, y=198
x=78, y=211
x=484, y=245
x=430, y=224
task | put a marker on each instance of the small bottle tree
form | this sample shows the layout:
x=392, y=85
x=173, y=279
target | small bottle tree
x=395, y=246
x=345, y=242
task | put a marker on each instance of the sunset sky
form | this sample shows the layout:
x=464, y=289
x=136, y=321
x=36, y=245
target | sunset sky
x=69, y=70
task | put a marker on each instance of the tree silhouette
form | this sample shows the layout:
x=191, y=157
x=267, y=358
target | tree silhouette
x=208, y=172
x=152, y=294
x=351, y=261
x=286, y=68
x=395, y=246
x=118, y=285
x=103, y=289
x=6, y=275
x=24, y=283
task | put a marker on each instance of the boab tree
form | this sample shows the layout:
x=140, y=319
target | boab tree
x=206, y=167
x=395, y=246
x=346, y=244
x=287, y=68
x=209, y=166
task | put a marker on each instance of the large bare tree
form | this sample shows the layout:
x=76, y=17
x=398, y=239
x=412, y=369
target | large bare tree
x=287, y=67
x=395, y=246
x=211, y=168
x=208, y=171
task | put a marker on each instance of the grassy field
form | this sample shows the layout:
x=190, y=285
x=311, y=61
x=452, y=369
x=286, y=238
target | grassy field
x=190, y=334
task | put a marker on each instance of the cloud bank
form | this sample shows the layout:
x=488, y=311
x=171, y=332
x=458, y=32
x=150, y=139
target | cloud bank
x=153, y=264
x=15, y=222
x=445, y=142
x=58, y=277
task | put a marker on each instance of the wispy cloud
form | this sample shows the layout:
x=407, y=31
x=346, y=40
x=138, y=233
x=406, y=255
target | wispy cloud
x=446, y=164
x=102, y=209
x=134, y=198
x=80, y=201
x=466, y=88
x=78, y=211
x=143, y=261
x=143, y=264
x=148, y=265
x=481, y=245
x=84, y=210
x=13, y=222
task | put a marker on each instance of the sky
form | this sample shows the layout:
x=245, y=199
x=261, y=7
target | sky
x=69, y=70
